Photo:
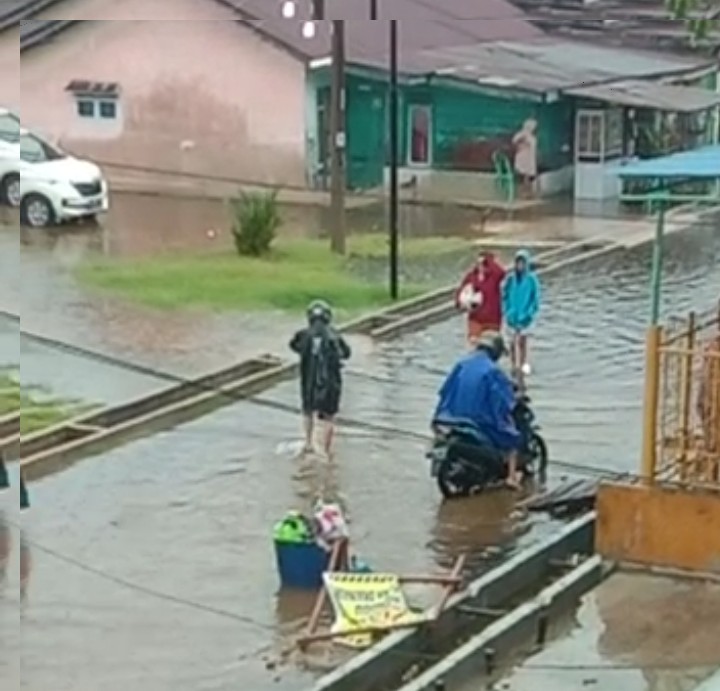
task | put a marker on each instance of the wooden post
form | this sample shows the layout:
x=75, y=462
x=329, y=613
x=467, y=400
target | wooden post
x=335, y=558
x=686, y=381
x=338, y=180
x=451, y=588
x=652, y=402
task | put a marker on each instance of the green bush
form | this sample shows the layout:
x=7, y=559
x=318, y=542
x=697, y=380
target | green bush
x=255, y=220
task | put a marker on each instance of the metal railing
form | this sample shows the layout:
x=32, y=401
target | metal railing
x=687, y=417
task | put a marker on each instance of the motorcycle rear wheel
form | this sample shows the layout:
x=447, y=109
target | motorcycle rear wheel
x=454, y=483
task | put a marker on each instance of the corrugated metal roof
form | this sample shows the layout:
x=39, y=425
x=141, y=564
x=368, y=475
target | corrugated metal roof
x=33, y=32
x=636, y=94
x=627, y=23
x=12, y=11
x=549, y=65
x=700, y=164
x=712, y=684
x=435, y=24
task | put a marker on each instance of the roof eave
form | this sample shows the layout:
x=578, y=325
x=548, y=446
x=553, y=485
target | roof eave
x=12, y=18
x=254, y=23
x=44, y=33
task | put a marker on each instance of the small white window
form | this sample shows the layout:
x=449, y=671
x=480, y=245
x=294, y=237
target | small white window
x=85, y=108
x=96, y=108
x=95, y=100
x=107, y=110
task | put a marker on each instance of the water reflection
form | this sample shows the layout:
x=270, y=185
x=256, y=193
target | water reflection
x=190, y=511
x=484, y=530
x=146, y=225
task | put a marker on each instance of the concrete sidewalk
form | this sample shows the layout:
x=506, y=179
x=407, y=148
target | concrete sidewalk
x=635, y=632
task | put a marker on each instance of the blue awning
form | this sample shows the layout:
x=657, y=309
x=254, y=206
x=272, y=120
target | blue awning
x=699, y=164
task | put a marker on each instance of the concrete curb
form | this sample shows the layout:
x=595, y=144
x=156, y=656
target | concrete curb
x=387, y=661
x=10, y=425
x=60, y=446
x=510, y=633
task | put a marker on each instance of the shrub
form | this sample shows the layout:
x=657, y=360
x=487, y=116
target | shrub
x=255, y=220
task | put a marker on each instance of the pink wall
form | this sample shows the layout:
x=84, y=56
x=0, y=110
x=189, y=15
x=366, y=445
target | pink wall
x=200, y=93
x=10, y=70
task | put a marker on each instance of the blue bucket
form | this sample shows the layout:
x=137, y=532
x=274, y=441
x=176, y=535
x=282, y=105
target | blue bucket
x=301, y=566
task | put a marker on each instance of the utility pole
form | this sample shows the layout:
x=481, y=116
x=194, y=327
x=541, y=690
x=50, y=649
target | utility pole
x=373, y=9
x=394, y=155
x=338, y=136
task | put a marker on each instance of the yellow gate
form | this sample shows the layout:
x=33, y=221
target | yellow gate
x=671, y=518
x=683, y=437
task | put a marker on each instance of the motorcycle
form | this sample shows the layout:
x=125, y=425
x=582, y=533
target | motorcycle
x=464, y=462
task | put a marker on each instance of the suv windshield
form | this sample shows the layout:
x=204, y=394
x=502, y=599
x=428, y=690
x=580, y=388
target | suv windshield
x=35, y=150
x=9, y=128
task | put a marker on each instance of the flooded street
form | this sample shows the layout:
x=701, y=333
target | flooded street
x=153, y=563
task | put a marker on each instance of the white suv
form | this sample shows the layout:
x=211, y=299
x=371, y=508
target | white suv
x=47, y=184
x=9, y=158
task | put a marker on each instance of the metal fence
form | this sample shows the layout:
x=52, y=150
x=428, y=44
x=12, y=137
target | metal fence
x=688, y=402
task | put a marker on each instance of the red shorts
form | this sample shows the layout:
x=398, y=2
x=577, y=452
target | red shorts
x=476, y=329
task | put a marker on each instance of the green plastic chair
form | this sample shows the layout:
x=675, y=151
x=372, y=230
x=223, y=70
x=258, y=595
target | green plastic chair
x=505, y=182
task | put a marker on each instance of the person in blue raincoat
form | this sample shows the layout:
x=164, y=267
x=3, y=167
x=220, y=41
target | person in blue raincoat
x=521, y=305
x=478, y=391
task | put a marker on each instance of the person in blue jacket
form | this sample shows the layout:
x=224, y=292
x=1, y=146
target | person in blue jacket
x=521, y=304
x=478, y=391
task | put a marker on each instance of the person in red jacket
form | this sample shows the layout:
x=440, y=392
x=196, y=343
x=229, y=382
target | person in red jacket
x=480, y=295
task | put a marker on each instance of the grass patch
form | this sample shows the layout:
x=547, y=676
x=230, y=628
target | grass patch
x=376, y=246
x=36, y=413
x=295, y=273
x=9, y=395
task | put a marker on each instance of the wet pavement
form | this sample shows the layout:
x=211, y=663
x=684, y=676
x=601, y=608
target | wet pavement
x=634, y=632
x=187, y=514
x=187, y=343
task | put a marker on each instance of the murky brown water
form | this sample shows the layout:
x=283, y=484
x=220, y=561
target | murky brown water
x=668, y=644
x=142, y=225
x=189, y=512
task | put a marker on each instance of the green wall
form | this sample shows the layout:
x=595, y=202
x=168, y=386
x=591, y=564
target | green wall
x=459, y=113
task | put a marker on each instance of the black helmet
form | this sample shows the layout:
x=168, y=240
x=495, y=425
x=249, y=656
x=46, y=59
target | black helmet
x=493, y=344
x=319, y=311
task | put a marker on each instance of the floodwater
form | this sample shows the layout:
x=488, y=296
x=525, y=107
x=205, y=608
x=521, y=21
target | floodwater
x=669, y=642
x=154, y=566
x=152, y=224
x=144, y=225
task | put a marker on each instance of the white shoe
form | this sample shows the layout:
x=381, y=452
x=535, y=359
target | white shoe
x=526, y=369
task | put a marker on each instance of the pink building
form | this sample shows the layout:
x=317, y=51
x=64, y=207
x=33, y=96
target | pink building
x=219, y=87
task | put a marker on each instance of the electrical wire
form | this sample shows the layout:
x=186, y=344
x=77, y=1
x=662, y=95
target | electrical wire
x=142, y=589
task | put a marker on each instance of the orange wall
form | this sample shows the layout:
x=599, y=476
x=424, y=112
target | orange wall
x=660, y=526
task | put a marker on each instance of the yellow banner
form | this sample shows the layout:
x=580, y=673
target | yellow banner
x=367, y=601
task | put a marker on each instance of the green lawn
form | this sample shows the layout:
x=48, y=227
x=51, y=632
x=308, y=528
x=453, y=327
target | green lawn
x=35, y=414
x=293, y=275
x=9, y=394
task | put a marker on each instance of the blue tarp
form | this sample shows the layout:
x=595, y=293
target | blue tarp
x=699, y=164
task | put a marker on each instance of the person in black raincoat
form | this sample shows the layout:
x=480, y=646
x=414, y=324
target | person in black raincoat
x=322, y=351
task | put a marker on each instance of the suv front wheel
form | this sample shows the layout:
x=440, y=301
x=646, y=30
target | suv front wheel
x=10, y=190
x=36, y=211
